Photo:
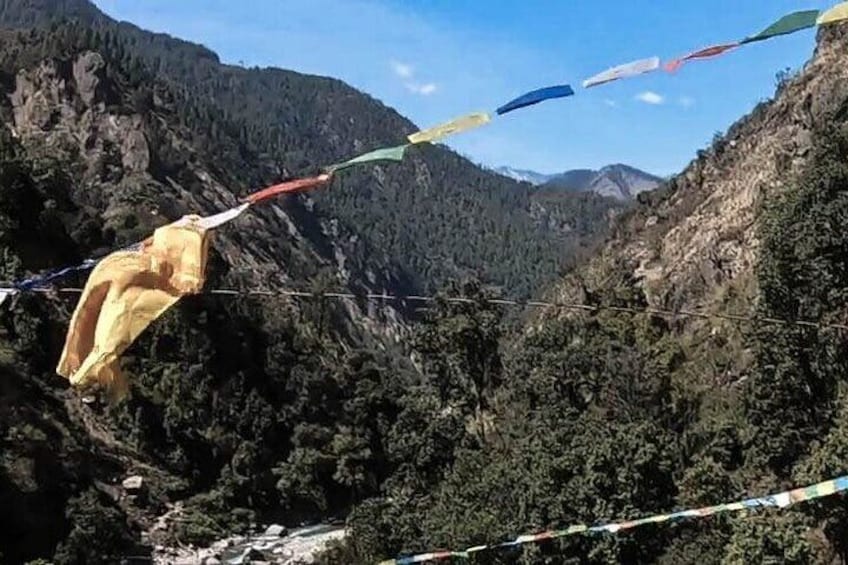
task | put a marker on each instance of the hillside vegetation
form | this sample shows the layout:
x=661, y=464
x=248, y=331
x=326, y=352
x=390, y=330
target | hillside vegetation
x=466, y=432
x=242, y=409
x=292, y=124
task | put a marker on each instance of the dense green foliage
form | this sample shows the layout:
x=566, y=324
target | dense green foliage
x=246, y=407
x=600, y=418
x=250, y=408
x=285, y=123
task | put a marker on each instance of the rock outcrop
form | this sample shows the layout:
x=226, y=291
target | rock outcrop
x=694, y=241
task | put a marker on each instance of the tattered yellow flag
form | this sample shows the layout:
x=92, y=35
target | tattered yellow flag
x=457, y=125
x=836, y=14
x=126, y=292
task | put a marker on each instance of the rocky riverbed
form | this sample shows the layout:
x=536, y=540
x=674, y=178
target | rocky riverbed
x=276, y=545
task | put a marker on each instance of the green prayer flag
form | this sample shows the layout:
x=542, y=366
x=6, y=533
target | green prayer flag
x=385, y=154
x=790, y=23
x=811, y=491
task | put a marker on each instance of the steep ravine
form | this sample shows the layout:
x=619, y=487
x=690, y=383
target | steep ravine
x=86, y=165
x=693, y=242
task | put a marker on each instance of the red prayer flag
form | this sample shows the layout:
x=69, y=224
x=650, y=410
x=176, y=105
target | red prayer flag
x=705, y=53
x=297, y=185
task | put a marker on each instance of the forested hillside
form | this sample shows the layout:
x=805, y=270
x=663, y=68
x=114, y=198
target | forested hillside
x=294, y=123
x=241, y=408
x=608, y=415
x=251, y=409
x=94, y=154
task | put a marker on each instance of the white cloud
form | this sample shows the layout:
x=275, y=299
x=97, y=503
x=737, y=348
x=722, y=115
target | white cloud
x=649, y=97
x=422, y=89
x=406, y=72
x=403, y=70
x=687, y=101
x=611, y=103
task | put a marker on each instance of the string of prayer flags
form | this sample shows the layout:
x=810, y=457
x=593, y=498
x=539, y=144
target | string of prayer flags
x=788, y=24
x=779, y=500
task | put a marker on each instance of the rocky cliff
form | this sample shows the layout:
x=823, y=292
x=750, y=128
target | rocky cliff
x=90, y=162
x=621, y=182
x=693, y=242
x=293, y=123
x=135, y=171
x=618, y=413
x=240, y=406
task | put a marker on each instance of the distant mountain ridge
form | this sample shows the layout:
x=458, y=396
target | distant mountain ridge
x=619, y=181
x=523, y=175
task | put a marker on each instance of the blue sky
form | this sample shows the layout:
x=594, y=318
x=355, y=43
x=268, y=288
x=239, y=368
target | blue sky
x=436, y=59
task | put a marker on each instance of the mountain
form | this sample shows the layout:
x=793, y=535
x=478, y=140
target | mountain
x=523, y=175
x=241, y=408
x=621, y=182
x=414, y=212
x=95, y=152
x=455, y=425
x=578, y=180
x=616, y=181
x=611, y=410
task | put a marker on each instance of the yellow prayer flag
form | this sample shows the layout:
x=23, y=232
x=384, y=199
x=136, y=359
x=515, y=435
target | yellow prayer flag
x=835, y=14
x=125, y=293
x=457, y=125
x=827, y=488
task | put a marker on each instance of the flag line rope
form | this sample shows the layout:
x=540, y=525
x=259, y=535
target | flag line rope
x=651, y=311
